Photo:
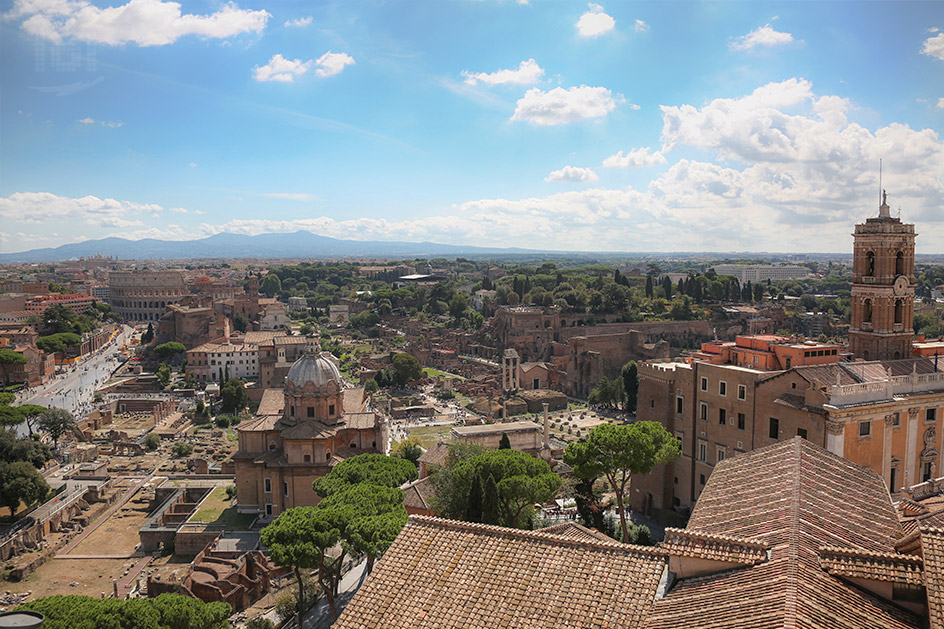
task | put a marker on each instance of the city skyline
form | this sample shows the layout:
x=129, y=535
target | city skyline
x=570, y=127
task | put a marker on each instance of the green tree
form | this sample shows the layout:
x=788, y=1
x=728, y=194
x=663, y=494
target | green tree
x=20, y=482
x=167, y=611
x=521, y=481
x=371, y=468
x=619, y=451
x=409, y=449
x=630, y=376
x=649, y=286
x=370, y=517
x=13, y=448
x=505, y=443
x=9, y=358
x=163, y=374
x=182, y=449
x=56, y=423
x=491, y=508
x=240, y=322
x=299, y=539
x=10, y=416
x=233, y=395
x=152, y=441
x=58, y=342
x=406, y=368
x=271, y=285
x=148, y=335
x=169, y=350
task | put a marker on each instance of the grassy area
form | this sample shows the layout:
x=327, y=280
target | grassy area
x=231, y=435
x=442, y=374
x=429, y=435
x=218, y=509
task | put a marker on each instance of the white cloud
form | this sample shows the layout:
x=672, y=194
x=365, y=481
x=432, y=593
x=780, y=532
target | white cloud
x=141, y=22
x=573, y=173
x=940, y=103
x=637, y=158
x=763, y=36
x=291, y=196
x=179, y=210
x=87, y=121
x=281, y=69
x=640, y=26
x=111, y=124
x=301, y=22
x=526, y=73
x=562, y=106
x=934, y=46
x=45, y=207
x=332, y=63
x=594, y=22
x=192, y=165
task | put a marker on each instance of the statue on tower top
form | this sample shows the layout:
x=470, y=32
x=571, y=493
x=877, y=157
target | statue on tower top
x=883, y=209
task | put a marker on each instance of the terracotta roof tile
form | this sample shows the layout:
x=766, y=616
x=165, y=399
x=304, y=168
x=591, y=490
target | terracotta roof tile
x=685, y=543
x=796, y=497
x=932, y=548
x=435, y=456
x=419, y=494
x=576, y=531
x=873, y=566
x=446, y=574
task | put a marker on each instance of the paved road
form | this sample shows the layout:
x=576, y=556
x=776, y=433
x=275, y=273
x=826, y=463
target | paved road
x=73, y=390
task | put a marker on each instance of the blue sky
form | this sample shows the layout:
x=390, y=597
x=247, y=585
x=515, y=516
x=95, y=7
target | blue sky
x=650, y=126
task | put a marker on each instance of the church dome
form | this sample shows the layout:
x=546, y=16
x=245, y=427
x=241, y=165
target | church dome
x=314, y=374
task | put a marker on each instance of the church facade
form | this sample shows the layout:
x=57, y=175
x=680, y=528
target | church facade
x=299, y=433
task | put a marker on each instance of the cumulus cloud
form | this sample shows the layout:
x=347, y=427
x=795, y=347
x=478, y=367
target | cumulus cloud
x=573, y=173
x=45, y=207
x=934, y=46
x=301, y=22
x=594, y=22
x=141, y=22
x=179, y=210
x=332, y=63
x=763, y=36
x=940, y=103
x=637, y=158
x=526, y=73
x=562, y=106
x=281, y=69
x=640, y=26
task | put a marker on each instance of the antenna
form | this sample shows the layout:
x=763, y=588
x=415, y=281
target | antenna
x=880, y=181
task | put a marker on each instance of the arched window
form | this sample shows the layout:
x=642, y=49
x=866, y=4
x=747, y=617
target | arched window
x=899, y=310
x=870, y=263
x=867, y=311
x=899, y=263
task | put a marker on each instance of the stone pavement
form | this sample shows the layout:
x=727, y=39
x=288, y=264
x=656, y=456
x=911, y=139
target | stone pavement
x=104, y=517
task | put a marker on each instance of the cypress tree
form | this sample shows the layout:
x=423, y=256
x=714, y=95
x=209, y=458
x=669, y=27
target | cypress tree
x=649, y=286
x=490, y=504
x=473, y=508
x=504, y=444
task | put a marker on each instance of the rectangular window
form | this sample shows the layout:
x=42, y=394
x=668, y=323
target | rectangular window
x=703, y=412
x=865, y=429
x=331, y=410
x=722, y=388
x=926, y=471
x=930, y=415
x=701, y=479
x=285, y=488
x=891, y=479
x=742, y=392
x=722, y=416
x=774, y=428
x=311, y=411
x=742, y=420
x=679, y=401
x=702, y=451
x=267, y=485
x=704, y=384
x=801, y=432
x=721, y=452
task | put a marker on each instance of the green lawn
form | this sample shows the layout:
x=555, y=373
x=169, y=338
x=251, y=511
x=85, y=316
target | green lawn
x=219, y=510
x=429, y=435
x=443, y=374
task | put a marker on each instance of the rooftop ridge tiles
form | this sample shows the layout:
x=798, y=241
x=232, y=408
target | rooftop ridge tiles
x=731, y=539
x=537, y=535
x=869, y=554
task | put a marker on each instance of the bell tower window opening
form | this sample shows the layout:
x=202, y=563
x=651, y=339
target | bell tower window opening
x=899, y=263
x=899, y=310
x=867, y=311
x=870, y=264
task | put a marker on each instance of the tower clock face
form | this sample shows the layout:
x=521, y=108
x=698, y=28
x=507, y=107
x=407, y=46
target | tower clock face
x=901, y=285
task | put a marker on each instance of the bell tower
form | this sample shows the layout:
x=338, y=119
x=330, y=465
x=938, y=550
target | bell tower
x=882, y=320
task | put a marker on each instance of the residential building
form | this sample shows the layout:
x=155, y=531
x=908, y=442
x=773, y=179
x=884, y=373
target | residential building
x=217, y=361
x=77, y=303
x=762, y=272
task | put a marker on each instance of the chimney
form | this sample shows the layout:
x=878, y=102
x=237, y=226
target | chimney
x=546, y=422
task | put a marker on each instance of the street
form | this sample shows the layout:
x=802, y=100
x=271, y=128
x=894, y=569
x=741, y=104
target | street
x=74, y=389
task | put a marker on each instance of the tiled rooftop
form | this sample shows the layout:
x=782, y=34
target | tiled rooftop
x=684, y=543
x=446, y=574
x=872, y=566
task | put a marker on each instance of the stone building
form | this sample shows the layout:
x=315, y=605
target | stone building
x=276, y=357
x=144, y=295
x=881, y=326
x=193, y=322
x=299, y=434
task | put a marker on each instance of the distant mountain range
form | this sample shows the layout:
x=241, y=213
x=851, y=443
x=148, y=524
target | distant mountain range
x=301, y=244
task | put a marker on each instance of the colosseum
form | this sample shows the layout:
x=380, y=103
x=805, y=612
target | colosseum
x=144, y=295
